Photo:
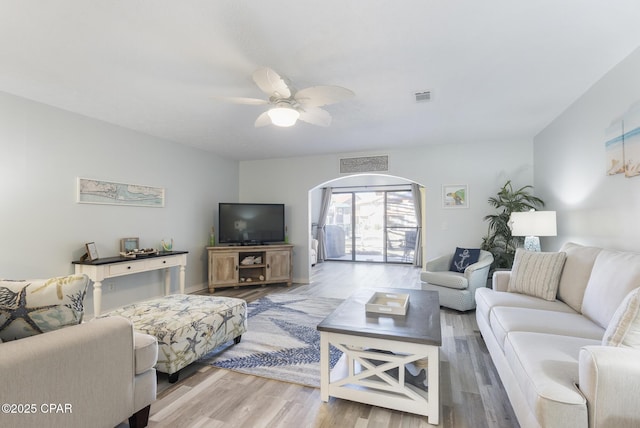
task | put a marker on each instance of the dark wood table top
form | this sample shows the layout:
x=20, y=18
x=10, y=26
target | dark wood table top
x=421, y=324
x=120, y=259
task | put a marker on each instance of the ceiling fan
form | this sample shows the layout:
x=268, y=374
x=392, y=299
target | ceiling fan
x=287, y=104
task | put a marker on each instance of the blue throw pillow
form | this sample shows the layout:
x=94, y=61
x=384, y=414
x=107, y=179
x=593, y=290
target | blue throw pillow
x=464, y=257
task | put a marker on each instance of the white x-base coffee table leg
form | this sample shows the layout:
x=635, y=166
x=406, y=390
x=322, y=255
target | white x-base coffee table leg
x=363, y=373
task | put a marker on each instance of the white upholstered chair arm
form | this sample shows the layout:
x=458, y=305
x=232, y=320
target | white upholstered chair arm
x=609, y=378
x=485, y=262
x=439, y=264
x=476, y=273
x=500, y=280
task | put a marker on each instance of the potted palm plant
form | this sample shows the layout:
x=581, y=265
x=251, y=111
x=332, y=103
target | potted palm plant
x=499, y=240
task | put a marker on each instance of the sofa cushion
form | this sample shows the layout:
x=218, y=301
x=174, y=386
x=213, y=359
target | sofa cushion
x=624, y=328
x=445, y=279
x=488, y=299
x=536, y=274
x=505, y=320
x=576, y=273
x=30, y=307
x=463, y=257
x=546, y=369
x=614, y=275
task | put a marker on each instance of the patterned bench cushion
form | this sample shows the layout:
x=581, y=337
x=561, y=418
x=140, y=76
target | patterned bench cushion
x=187, y=327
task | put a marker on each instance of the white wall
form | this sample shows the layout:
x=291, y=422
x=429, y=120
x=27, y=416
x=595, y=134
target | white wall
x=569, y=158
x=484, y=166
x=42, y=152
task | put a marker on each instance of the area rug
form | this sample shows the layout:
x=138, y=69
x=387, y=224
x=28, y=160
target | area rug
x=282, y=341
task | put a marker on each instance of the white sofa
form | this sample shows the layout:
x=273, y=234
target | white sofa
x=572, y=360
x=95, y=374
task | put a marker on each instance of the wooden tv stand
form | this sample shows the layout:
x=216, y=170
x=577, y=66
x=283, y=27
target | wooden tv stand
x=226, y=267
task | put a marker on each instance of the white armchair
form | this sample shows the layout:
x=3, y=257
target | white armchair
x=456, y=290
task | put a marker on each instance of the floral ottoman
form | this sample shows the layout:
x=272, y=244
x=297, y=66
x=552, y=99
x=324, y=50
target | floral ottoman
x=186, y=326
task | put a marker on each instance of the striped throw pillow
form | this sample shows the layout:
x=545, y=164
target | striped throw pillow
x=624, y=328
x=536, y=273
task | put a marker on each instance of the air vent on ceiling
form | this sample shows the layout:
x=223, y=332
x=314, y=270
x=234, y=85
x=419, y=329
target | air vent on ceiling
x=423, y=96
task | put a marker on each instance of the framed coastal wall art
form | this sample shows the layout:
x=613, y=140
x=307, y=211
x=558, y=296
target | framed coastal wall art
x=614, y=149
x=622, y=144
x=91, y=191
x=455, y=196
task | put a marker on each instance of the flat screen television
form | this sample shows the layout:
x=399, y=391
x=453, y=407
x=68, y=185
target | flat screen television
x=250, y=224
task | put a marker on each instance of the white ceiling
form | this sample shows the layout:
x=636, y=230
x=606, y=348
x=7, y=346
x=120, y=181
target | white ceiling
x=497, y=69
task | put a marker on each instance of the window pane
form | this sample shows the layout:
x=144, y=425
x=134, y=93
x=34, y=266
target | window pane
x=400, y=210
x=401, y=227
x=338, y=227
x=369, y=227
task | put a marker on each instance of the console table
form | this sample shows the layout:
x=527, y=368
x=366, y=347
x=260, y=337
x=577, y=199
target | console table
x=111, y=267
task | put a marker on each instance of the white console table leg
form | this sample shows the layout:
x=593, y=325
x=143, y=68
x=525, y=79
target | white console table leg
x=183, y=268
x=97, y=298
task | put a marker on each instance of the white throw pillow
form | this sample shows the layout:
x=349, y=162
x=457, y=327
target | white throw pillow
x=576, y=273
x=536, y=274
x=614, y=275
x=624, y=328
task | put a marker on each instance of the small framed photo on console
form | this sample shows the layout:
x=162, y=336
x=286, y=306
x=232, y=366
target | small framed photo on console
x=92, y=251
x=127, y=245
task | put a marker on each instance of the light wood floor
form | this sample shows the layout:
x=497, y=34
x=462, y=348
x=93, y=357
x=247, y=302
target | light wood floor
x=471, y=392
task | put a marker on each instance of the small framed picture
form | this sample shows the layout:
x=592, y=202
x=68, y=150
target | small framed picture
x=455, y=196
x=92, y=251
x=129, y=244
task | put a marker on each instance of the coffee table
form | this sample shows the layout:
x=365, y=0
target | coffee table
x=378, y=347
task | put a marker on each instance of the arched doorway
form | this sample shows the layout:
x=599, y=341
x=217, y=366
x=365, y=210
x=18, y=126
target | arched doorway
x=370, y=218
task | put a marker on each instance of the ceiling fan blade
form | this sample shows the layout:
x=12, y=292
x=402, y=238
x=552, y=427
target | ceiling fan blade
x=243, y=100
x=315, y=116
x=318, y=96
x=270, y=82
x=262, y=120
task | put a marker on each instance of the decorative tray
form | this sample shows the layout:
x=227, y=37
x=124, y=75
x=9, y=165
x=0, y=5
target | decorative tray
x=388, y=303
x=139, y=253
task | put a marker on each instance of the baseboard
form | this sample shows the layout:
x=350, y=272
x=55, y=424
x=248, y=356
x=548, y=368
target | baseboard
x=196, y=288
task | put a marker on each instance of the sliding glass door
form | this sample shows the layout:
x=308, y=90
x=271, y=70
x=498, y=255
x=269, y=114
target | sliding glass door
x=368, y=233
x=401, y=227
x=371, y=226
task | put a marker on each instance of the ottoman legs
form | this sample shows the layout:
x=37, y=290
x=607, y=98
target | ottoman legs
x=173, y=377
x=237, y=339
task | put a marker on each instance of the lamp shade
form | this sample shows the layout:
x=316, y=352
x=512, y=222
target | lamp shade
x=283, y=116
x=533, y=223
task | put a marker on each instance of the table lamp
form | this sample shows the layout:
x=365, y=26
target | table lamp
x=533, y=224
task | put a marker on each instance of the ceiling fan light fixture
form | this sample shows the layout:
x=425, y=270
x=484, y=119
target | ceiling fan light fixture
x=283, y=116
